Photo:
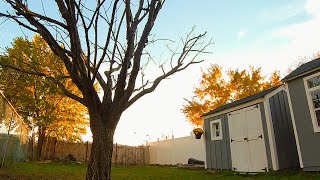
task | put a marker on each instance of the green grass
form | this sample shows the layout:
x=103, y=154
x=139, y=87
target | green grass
x=73, y=171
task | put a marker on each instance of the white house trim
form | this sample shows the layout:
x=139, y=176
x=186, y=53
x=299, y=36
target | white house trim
x=213, y=138
x=276, y=91
x=300, y=75
x=316, y=127
x=272, y=141
x=244, y=105
x=294, y=126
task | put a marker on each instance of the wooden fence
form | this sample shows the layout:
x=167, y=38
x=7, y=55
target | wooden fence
x=122, y=155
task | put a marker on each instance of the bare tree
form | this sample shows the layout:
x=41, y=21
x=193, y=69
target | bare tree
x=301, y=61
x=103, y=42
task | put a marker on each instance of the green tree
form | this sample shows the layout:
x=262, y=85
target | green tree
x=217, y=88
x=41, y=103
x=107, y=42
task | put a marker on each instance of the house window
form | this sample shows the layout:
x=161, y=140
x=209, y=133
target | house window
x=312, y=86
x=216, y=130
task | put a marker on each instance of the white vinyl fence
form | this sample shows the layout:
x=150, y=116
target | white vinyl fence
x=177, y=150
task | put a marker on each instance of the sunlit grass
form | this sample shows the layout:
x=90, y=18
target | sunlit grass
x=74, y=171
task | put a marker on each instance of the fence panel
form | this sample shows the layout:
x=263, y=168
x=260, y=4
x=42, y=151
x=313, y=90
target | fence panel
x=176, y=150
x=122, y=155
x=13, y=135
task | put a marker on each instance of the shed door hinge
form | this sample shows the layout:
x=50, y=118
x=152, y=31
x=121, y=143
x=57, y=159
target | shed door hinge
x=264, y=169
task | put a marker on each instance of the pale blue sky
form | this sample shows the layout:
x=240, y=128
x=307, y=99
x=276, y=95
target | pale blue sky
x=270, y=34
x=225, y=19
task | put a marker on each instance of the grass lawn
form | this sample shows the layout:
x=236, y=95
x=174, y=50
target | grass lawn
x=72, y=171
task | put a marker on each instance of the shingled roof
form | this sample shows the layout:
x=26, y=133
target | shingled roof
x=241, y=101
x=311, y=65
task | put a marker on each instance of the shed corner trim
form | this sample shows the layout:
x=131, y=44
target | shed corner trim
x=240, y=106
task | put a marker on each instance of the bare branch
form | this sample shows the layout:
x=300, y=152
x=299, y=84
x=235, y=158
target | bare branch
x=15, y=18
x=41, y=17
x=154, y=9
x=97, y=66
x=54, y=80
x=189, y=47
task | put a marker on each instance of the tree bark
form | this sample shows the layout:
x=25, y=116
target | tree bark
x=41, y=136
x=99, y=167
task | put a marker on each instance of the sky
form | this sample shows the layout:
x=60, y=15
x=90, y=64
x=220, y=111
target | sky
x=268, y=34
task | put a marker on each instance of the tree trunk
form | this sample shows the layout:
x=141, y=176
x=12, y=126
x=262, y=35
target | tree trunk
x=99, y=167
x=42, y=135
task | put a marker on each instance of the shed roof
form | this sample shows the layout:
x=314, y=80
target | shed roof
x=311, y=65
x=241, y=101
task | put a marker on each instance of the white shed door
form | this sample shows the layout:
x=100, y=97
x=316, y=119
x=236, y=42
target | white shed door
x=248, y=151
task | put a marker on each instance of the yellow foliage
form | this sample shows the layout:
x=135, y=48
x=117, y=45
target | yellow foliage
x=197, y=131
x=39, y=100
x=217, y=88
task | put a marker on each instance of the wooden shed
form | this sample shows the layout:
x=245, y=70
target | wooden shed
x=303, y=86
x=254, y=134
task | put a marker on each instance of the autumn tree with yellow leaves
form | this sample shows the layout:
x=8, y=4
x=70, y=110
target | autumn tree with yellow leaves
x=217, y=88
x=38, y=100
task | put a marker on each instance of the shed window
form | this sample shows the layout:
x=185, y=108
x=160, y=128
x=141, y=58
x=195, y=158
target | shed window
x=216, y=130
x=312, y=86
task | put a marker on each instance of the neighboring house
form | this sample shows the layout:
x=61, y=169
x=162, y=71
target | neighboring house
x=303, y=86
x=253, y=134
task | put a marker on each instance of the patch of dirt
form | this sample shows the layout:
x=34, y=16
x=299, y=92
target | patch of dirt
x=5, y=176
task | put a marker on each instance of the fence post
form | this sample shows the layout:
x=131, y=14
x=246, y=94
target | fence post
x=48, y=147
x=54, y=149
x=86, y=156
x=135, y=155
x=116, y=155
x=172, y=151
x=147, y=155
x=158, y=152
x=33, y=146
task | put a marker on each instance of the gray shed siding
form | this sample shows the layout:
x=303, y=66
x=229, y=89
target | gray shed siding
x=309, y=141
x=283, y=131
x=265, y=135
x=218, y=154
